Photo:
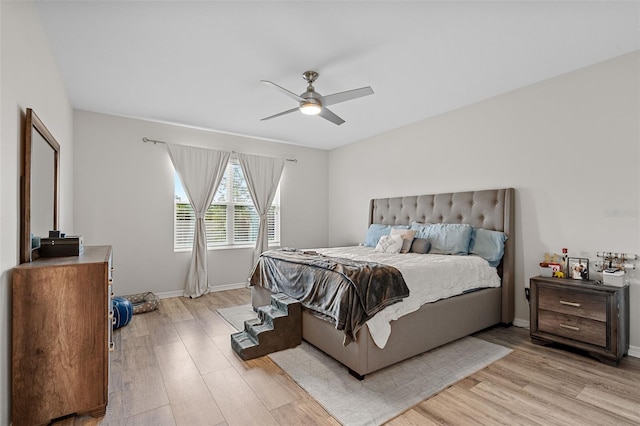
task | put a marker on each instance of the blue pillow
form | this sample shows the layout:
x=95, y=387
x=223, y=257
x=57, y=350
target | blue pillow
x=449, y=238
x=488, y=244
x=420, y=229
x=445, y=238
x=376, y=231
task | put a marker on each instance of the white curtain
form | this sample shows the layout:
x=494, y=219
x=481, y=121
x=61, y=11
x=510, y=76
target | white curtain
x=200, y=171
x=262, y=175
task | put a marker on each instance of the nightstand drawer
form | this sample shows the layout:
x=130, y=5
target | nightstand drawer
x=582, y=304
x=573, y=327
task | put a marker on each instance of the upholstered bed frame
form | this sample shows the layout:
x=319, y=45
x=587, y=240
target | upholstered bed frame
x=434, y=324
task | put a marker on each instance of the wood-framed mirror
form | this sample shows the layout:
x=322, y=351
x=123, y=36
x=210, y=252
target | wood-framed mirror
x=40, y=186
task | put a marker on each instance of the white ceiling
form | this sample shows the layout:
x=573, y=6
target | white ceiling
x=200, y=63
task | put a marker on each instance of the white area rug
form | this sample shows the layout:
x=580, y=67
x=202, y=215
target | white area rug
x=384, y=394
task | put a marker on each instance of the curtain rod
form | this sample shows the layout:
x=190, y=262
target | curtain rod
x=154, y=141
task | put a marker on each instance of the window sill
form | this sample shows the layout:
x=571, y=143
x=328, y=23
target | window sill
x=230, y=247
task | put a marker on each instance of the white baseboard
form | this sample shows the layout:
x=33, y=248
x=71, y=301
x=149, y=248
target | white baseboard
x=634, y=351
x=517, y=322
x=231, y=286
x=179, y=293
x=169, y=294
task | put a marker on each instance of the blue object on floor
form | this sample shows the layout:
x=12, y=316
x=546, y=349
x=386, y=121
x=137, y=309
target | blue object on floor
x=122, y=312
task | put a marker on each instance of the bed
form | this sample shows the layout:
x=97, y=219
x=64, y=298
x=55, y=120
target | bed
x=433, y=324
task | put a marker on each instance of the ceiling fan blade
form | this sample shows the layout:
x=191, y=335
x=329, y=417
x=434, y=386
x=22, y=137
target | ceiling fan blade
x=280, y=113
x=347, y=96
x=283, y=90
x=328, y=115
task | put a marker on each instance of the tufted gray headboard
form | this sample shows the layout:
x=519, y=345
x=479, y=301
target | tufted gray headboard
x=491, y=209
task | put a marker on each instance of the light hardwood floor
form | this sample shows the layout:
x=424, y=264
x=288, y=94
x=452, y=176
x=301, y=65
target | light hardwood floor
x=175, y=366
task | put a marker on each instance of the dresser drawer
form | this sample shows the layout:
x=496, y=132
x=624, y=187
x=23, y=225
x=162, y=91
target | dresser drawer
x=573, y=327
x=573, y=302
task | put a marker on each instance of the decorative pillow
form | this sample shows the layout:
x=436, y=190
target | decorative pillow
x=377, y=230
x=447, y=238
x=389, y=244
x=420, y=246
x=488, y=244
x=407, y=238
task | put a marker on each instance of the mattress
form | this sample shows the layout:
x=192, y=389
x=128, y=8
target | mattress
x=430, y=277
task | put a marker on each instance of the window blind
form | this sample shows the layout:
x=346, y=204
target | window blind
x=231, y=219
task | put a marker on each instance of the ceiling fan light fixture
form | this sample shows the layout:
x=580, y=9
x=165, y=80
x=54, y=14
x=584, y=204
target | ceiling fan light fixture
x=310, y=107
x=313, y=103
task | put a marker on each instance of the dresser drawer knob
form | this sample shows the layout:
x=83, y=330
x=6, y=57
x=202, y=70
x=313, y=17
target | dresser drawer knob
x=570, y=327
x=575, y=305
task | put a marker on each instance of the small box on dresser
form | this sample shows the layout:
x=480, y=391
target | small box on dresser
x=61, y=246
x=581, y=314
x=61, y=336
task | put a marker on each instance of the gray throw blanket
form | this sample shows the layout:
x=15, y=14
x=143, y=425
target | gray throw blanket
x=346, y=291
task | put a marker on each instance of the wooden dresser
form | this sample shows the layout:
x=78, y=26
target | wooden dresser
x=581, y=314
x=61, y=336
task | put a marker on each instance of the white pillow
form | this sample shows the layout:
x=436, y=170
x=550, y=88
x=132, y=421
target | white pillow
x=389, y=244
x=407, y=238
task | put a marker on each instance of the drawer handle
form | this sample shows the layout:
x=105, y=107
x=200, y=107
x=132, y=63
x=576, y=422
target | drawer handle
x=575, y=305
x=570, y=327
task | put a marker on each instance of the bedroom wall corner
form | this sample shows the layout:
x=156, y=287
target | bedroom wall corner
x=29, y=78
x=125, y=196
x=564, y=143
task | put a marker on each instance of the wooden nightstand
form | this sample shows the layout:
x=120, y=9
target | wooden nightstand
x=582, y=314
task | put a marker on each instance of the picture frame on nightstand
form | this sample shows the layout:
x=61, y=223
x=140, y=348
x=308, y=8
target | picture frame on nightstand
x=578, y=268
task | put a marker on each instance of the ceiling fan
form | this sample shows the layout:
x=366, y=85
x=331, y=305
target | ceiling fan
x=313, y=103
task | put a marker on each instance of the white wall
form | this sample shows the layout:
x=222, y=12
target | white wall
x=29, y=78
x=569, y=145
x=124, y=191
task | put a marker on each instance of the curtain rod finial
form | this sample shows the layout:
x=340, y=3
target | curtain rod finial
x=147, y=140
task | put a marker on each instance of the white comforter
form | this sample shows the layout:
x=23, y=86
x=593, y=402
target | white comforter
x=430, y=277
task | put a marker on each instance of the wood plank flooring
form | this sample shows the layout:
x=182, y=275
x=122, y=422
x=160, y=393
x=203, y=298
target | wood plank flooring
x=175, y=366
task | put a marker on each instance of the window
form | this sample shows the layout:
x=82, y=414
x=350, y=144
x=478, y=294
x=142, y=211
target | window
x=231, y=220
